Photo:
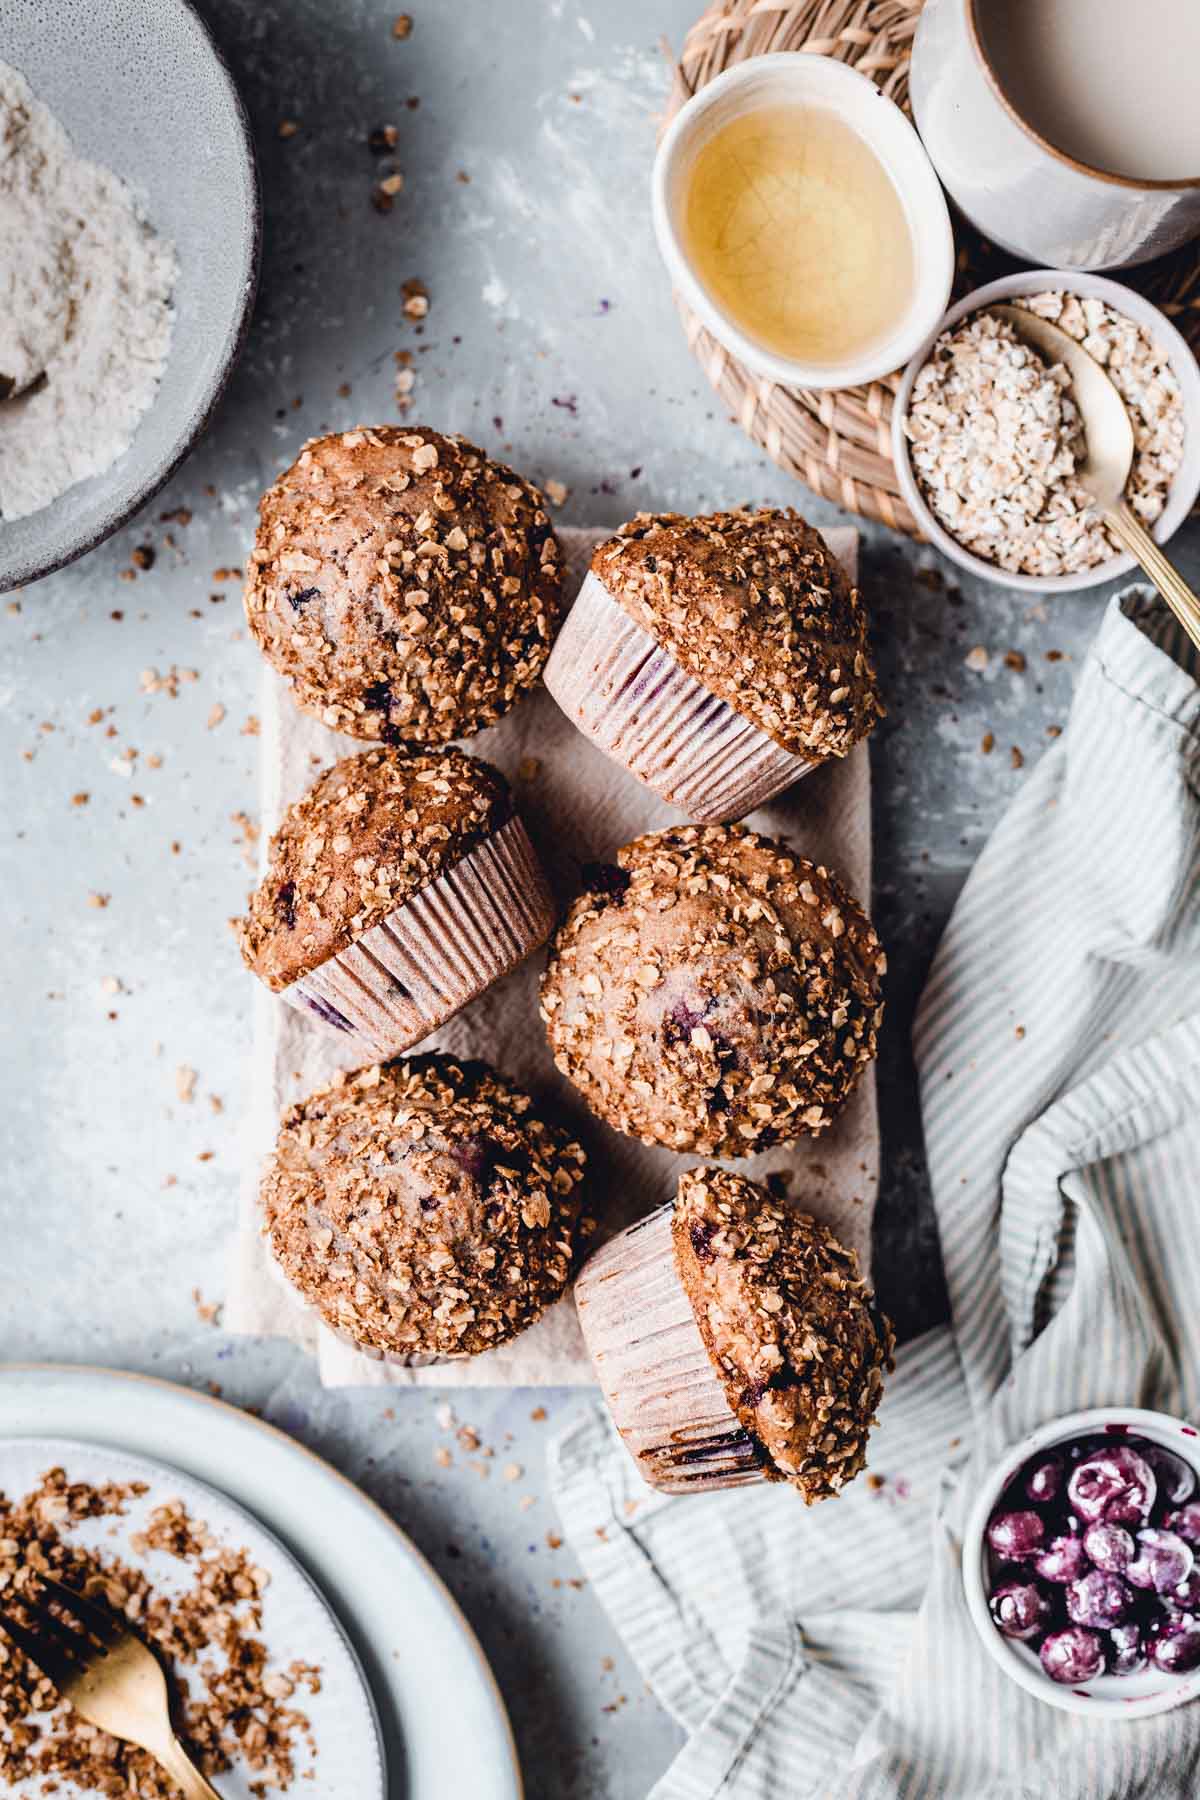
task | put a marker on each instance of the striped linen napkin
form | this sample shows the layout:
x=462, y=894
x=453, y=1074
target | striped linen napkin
x=829, y=1651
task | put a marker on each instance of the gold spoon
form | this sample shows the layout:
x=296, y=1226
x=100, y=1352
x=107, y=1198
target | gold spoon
x=1109, y=452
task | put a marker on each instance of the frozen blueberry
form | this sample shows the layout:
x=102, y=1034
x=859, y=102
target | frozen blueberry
x=1044, y=1478
x=1176, y=1481
x=1016, y=1535
x=1187, y=1595
x=1020, y=1609
x=1176, y=1648
x=1126, y=1651
x=1162, y=1562
x=1109, y=1547
x=1073, y=1654
x=1115, y=1484
x=1063, y=1559
x=1186, y=1521
x=1099, y=1599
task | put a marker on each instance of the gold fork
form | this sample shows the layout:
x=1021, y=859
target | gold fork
x=108, y=1675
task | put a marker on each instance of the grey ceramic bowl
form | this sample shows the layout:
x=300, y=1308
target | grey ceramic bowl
x=141, y=87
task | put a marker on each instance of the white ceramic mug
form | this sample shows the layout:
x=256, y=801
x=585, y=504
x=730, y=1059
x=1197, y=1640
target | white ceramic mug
x=801, y=78
x=1024, y=194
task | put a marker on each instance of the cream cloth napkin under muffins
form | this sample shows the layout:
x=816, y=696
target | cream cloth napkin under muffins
x=579, y=807
x=828, y=1651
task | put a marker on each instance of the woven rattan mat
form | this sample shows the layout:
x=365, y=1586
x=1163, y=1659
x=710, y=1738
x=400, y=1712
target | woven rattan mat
x=839, y=442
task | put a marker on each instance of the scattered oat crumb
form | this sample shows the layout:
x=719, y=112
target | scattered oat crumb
x=208, y=1313
x=1016, y=758
x=1054, y=731
x=1015, y=660
x=539, y=1415
x=110, y=984
x=1020, y=1031
x=252, y=727
x=249, y=834
x=143, y=556
x=988, y=742
x=468, y=1437
x=512, y=1471
x=445, y=1416
x=287, y=128
x=976, y=659
x=80, y=799
x=99, y=901
x=553, y=1541
x=216, y=714
x=402, y=25
x=875, y=1482
x=556, y=492
x=443, y=1458
x=185, y=1083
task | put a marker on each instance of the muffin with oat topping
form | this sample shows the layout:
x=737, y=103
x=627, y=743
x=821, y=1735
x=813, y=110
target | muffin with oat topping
x=424, y=1208
x=405, y=586
x=398, y=889
x=735, y=1342
x=718, y=659
x=714, y=992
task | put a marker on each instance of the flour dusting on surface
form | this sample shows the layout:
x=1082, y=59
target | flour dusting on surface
x=85, y=301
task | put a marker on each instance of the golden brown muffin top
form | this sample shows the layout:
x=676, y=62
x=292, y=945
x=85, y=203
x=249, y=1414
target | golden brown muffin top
x=406, y=586
x=423, y=1207
x=756, y=607
x=791, y=1329
x=713, y=991
x=371, y=832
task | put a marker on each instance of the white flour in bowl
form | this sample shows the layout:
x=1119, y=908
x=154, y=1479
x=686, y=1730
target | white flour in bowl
x=85, y=300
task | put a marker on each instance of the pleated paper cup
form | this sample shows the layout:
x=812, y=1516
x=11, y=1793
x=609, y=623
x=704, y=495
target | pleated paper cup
x=634, y=702
x=437, y=952
x=666, y=1398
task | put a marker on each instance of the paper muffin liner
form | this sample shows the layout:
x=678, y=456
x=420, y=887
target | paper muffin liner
x=438, y=951
x=631, y=698
x=666, y=1398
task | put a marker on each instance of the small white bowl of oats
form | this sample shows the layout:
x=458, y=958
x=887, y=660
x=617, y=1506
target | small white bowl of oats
x=986, y=437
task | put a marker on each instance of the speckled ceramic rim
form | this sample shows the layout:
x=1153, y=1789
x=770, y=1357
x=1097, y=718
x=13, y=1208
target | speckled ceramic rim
x=665, y=1396
x=634, y=702
x=1099, y=1699
x=1185, y=487
x=402, y=979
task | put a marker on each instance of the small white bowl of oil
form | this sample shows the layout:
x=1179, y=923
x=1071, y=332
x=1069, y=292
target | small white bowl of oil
x=802, y=221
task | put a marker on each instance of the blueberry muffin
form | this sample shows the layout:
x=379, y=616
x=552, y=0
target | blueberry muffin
x=714, y=992
x=735, y=1342
x=405, y=586
x=718, y=659
x=424, y=1208
x=399, y=888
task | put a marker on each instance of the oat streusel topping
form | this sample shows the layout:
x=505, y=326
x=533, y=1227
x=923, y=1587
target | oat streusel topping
x=371, y=832
x=789, y=1325
x=423, y=1207
x=406, y=586
x=713, y=991
x=236, y=1702
x=755, y=606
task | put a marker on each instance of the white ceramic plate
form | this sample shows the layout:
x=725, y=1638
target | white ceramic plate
x=297, y=1621
x=444, y=1729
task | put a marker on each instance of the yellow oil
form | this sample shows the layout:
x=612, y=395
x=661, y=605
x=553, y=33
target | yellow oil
x=795, y=230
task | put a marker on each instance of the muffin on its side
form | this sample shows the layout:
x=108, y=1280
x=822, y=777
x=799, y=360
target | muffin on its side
x=406, y=586
x=398, y=889
x=713, y=992
x=423, y=1208
x=718, y=659
x=735, y=1342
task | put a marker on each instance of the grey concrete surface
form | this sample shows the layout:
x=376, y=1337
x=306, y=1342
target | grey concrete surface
x=525, y=133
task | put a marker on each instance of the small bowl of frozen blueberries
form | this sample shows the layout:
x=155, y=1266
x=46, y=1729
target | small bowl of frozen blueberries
x=1081, y=1563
